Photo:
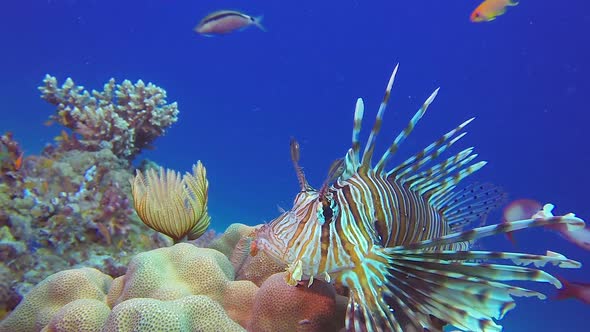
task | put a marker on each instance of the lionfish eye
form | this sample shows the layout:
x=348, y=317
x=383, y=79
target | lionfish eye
x=327, y=212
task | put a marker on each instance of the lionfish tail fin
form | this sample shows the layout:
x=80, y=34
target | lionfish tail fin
x=414, y=290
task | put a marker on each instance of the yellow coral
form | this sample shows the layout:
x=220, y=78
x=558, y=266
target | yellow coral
x=173, y=205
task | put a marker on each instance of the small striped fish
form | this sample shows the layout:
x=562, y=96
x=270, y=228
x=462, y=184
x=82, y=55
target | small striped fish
x=395, y=239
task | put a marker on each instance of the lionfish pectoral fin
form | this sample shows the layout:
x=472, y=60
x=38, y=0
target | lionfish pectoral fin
x=397, y=289
x=449, y=286
x=375, y=302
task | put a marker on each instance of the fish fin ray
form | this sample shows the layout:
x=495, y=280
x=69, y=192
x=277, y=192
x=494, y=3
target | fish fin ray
x=429, y=153
x=571, y=221
x=370, y=145
x=258, y=23
x=374, y=303
x=410, y=290
x=379, y=168
x=472, y=203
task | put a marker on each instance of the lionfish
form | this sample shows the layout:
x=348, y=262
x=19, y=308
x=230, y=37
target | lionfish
x=394, y=239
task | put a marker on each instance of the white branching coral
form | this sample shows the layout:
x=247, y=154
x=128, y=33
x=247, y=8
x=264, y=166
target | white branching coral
x=124, y=118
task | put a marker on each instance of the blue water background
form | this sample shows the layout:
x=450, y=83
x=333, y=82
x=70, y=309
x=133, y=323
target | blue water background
x=525, y=77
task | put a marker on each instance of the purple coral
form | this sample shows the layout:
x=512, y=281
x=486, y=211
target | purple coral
x=125, y=118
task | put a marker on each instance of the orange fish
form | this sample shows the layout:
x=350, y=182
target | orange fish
x=18, y=162
x=226, y=21
x=490, y=9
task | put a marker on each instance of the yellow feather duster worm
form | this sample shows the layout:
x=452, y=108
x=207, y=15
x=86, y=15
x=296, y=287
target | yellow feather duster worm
x=171, y=204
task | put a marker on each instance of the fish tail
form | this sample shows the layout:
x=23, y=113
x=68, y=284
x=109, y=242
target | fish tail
x=258, y=22
x=407, y=290
x=566, y=291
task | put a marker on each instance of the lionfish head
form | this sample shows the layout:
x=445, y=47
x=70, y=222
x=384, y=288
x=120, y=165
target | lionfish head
x=285, y=236
x=294, y=237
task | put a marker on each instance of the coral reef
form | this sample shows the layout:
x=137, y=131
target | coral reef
x=124, y=118
x=70, y=205
x=177, y=288
x=71, y=211
x=11, y=158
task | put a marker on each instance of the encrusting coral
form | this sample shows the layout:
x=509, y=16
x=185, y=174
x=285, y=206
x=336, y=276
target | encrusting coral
x=124, y=118
x=177, y=288
x=172, y=205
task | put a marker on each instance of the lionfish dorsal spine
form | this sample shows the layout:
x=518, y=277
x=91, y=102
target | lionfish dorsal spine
x=439, y=170
x=359, y=111
x=404, y=134
x=429, y=178
x=370, y=146
x=445, y=186
x=429, y=153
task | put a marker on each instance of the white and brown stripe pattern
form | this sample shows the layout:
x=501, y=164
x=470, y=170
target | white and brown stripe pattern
x=395, y=240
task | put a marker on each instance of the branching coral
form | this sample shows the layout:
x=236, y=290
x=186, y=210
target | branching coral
x=123, y=117
x=173, y=205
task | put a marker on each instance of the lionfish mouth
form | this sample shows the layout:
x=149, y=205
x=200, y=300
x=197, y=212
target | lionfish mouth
x=265, y=241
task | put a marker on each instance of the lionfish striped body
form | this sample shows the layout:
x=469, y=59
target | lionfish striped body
x=395, y=239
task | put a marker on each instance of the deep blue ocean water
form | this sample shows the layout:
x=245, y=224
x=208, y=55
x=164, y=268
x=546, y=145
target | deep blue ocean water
x=525, y=77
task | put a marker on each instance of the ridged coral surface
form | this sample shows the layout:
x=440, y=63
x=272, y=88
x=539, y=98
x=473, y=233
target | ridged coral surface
x=49, y=296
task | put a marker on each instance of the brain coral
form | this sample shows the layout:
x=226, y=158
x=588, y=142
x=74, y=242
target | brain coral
x=182, y=270
x=45, y=300
x=177, y=288
x=235, y=244
x=83, y=315
x=190, y=313
x=280, y=307
x=230, y=238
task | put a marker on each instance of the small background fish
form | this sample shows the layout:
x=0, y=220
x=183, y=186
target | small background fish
x=490, y=9
x=226, y=21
